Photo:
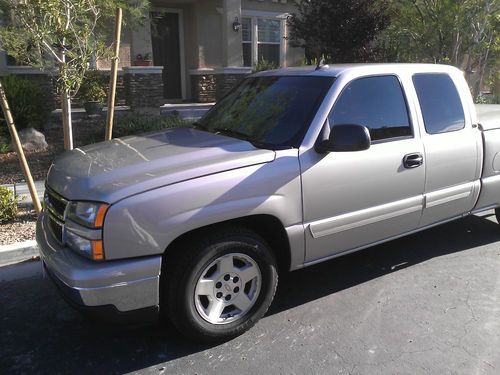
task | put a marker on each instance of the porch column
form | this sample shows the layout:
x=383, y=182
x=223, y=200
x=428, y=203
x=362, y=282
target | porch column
x=232, y=50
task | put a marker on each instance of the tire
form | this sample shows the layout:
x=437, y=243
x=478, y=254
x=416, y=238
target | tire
x=497, y=213
x=217, y=287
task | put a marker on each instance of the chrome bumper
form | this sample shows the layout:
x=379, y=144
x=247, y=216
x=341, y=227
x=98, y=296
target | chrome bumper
x=129, y=284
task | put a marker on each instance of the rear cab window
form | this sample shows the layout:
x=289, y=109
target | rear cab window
x=440, y=103
x=376, y=102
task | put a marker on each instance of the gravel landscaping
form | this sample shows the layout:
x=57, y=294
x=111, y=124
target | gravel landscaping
x=19, y=230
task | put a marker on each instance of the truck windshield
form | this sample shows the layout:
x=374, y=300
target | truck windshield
x=270, y=112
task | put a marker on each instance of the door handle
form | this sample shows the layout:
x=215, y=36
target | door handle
x=413, y=160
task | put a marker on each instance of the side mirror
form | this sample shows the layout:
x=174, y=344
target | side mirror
x=342, y=138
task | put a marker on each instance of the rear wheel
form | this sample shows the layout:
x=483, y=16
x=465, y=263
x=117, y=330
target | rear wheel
x=220, y=286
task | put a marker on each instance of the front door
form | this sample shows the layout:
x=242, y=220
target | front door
x=166, y=52
x=352, y=199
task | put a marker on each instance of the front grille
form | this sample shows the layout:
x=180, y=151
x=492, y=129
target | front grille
x=56, y=228
x=56, y=203
x=55, y=206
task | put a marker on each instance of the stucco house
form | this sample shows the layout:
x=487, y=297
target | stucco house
x=195, y=50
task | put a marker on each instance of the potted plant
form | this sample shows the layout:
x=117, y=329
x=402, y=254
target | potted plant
x=93, y=92
x=143, y=60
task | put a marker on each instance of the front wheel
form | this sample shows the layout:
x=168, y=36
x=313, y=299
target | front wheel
x=220, y=286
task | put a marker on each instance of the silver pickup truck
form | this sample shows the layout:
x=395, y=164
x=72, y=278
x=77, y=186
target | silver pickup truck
x=293, y=167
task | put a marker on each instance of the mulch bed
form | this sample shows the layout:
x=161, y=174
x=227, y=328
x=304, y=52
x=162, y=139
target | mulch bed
x=84, y=131
x=38, y=161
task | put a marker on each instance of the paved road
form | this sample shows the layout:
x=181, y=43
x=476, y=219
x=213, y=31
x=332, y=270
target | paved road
x=428, y=303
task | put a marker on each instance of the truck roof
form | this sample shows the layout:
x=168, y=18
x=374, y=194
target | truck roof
x=337, y=70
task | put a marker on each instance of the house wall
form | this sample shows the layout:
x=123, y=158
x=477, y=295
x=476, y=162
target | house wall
x=293, y=56
x=219, y=48
x=209, y=34
x=212, y=55
x=125, y=54
x=140, y=41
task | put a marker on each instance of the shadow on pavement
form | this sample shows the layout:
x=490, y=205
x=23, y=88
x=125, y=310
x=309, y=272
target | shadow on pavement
x=41, y=334
x=320, y=280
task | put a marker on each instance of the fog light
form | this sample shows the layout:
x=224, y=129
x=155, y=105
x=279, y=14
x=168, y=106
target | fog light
x=92, y=249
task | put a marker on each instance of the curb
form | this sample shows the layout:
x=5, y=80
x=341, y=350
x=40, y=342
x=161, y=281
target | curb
x=18, y=252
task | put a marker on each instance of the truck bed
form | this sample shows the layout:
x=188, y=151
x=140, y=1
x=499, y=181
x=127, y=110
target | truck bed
x=488, y=115
x=489, y=118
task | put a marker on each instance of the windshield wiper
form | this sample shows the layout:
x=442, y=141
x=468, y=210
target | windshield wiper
x=231, y=132
x=240, y=135
x=197, y=125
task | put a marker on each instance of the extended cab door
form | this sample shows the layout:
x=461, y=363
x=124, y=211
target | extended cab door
x=452, y=147
x=353, y=199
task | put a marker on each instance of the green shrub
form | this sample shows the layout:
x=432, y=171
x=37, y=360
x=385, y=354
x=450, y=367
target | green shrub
x=27, y=101
x=487, y=99
x=4, y=146
x=8, y=205
x=264, y=64
x=4, y=140
x=137, y=123
x=93, y=87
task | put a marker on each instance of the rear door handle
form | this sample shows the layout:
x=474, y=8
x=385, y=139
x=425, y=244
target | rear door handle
x=413, y=160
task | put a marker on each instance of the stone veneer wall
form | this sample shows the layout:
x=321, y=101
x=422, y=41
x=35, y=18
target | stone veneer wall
x=120, y=98
x=143, y=86
x=203, y=88
x=225, y=82
x=206, y=88
x=145, y=89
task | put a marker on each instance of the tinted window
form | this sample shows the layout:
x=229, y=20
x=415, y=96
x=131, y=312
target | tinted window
x=270, y=111
x=375, y=102
x=440, y=103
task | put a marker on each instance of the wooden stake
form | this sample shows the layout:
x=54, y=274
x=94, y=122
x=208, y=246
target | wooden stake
x=20, y=152
x=113, y=76
x=66, y=120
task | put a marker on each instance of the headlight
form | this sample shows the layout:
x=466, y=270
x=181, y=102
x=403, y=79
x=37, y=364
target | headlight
x=83, y=228
x=89, y=214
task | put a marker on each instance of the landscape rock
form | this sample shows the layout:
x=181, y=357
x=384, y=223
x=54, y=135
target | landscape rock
x=32, y=140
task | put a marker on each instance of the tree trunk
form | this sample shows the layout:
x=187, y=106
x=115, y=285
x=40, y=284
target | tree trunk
x=65, y=106
x=483, y=62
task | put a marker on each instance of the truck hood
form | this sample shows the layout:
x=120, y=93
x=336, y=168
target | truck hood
x=110, y=171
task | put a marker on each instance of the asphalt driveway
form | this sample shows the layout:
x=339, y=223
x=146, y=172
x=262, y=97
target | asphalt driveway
x=428, y=303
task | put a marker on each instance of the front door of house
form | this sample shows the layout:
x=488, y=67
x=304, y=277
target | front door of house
x=166, y=51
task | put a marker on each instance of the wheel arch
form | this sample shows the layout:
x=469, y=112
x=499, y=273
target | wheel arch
x=269, y=227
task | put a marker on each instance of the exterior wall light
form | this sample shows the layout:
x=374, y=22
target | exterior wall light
x=236, y=24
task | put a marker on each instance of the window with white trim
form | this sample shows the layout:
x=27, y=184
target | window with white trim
x=261, y=39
